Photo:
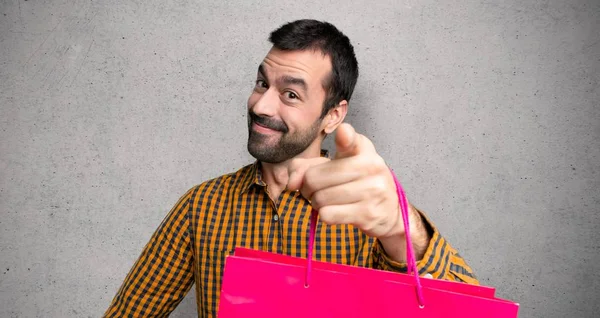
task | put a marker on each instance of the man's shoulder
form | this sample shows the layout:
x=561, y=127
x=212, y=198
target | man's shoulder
x=230, y=181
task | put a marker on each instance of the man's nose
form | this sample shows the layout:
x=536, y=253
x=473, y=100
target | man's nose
x=268, y=104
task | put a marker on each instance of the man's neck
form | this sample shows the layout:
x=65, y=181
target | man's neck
x=276, y=175
x=276, y=178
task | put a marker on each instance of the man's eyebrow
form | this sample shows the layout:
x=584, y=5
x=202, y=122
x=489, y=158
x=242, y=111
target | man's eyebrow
x=290, y=80
x=285, y=80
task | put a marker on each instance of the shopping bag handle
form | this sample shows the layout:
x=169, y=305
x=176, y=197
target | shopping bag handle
x=314, y=214
x=410, y=254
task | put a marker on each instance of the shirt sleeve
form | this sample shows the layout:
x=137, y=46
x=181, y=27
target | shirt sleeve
x=162, y=275
x=441, y=260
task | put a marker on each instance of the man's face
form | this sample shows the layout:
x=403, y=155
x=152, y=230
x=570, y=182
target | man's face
x=284, y=109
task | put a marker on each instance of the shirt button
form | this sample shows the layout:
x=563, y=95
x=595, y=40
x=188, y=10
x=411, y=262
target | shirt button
x=428, y=275
x=276, y=217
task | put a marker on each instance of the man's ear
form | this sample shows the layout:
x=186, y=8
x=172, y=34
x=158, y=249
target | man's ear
x=335, y=117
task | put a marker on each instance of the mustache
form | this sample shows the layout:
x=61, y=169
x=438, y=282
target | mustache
x=268, y=122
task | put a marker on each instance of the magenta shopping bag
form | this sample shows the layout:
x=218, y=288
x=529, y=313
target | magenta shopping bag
x=263, y=284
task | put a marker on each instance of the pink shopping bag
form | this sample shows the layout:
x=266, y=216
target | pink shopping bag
x=263, y=284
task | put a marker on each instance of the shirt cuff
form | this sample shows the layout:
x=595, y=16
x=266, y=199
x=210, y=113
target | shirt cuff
x=435, y=261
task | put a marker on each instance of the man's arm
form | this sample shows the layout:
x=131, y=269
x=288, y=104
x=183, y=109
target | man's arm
x=163, y=273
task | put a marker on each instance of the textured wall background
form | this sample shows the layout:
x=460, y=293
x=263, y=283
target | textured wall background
x=110, y=110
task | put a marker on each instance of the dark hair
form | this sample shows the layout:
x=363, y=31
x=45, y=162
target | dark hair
x=324, y=37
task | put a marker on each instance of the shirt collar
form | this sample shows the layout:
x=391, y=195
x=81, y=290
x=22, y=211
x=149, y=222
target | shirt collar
x=254, y=175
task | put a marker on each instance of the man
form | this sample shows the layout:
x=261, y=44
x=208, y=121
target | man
x=300, y=96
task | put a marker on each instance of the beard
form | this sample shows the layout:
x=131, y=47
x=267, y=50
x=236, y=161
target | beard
x=288, y=145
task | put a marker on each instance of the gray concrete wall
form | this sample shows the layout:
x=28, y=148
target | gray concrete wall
x=110, y=110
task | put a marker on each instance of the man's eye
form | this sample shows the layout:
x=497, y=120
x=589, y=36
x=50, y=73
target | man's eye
x=291, y=95
x=261, y=84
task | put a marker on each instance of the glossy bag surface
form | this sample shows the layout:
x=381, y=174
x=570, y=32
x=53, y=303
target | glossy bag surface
x=262, y=284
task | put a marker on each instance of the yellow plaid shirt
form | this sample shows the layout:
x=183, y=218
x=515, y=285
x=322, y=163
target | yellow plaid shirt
x=213, y=218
